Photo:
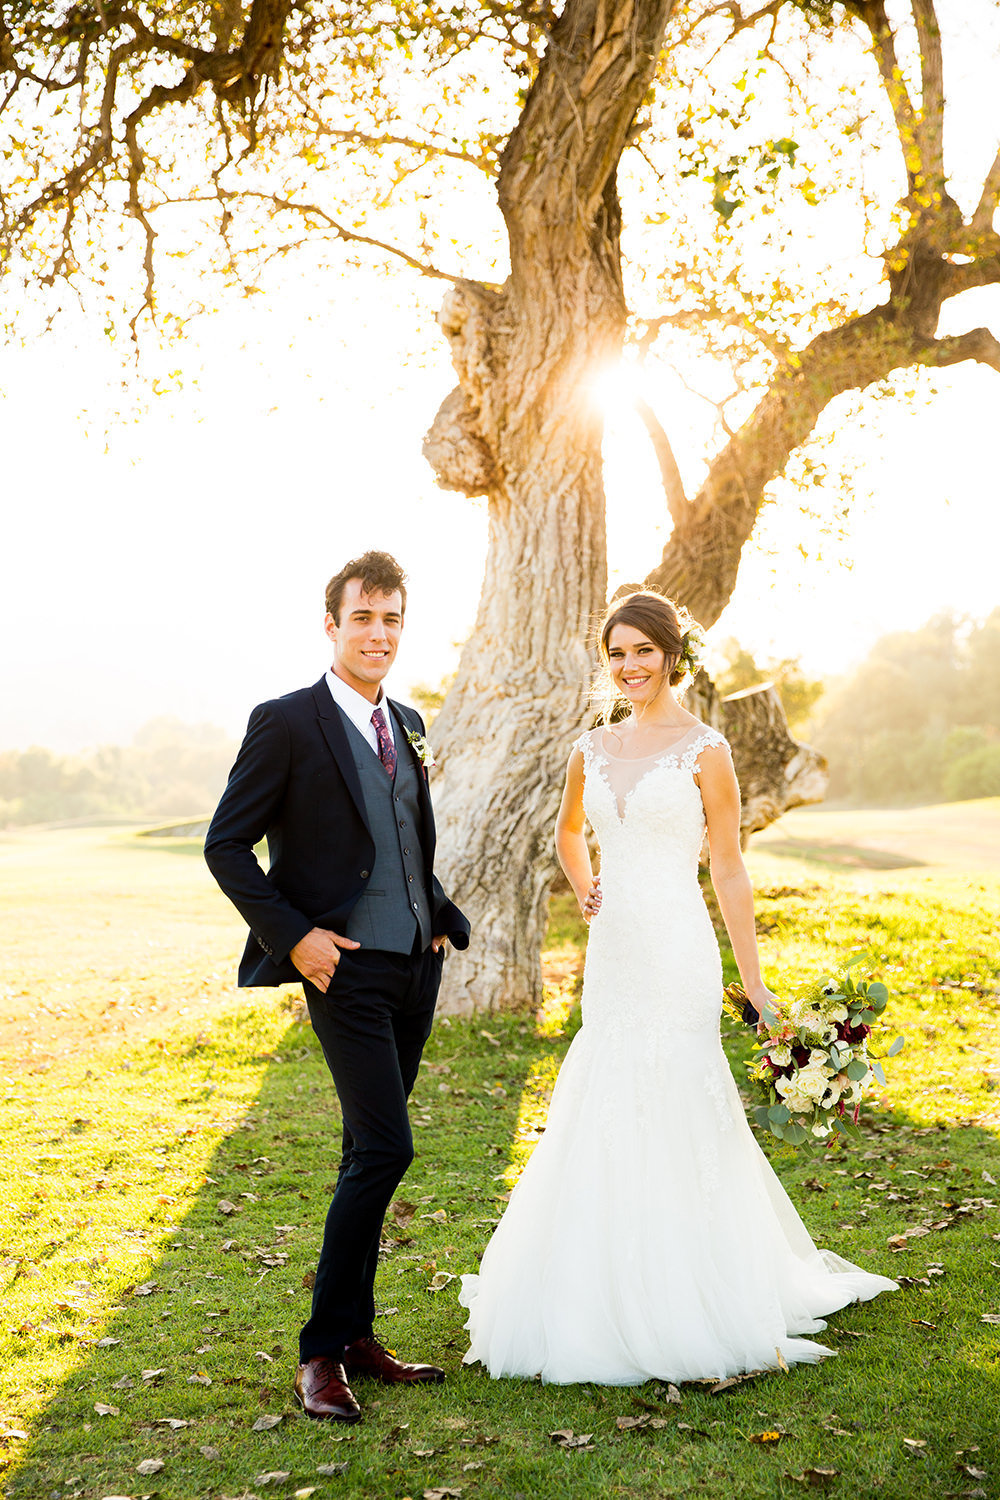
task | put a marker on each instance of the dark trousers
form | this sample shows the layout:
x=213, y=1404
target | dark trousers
x=372, y=1025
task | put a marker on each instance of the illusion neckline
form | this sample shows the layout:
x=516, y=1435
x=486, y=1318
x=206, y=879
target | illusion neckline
x=654, y=754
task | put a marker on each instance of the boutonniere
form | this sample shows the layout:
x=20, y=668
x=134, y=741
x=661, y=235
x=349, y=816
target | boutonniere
x=424, y=752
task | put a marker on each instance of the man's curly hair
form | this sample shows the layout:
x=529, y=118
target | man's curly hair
x=379, y=573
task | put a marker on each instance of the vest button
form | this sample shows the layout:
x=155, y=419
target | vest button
x=365, y=874
x=410, y=879
x=416, y=906
x=406, y=851
x=402, y=822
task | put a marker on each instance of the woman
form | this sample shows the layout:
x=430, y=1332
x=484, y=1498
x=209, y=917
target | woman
x=648, y=1237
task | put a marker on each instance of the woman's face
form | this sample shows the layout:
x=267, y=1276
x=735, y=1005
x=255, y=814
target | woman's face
x=636, y=665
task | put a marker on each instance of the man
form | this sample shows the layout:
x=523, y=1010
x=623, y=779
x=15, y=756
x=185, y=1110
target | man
x=333, y=777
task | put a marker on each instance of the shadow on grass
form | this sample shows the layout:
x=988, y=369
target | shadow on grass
x=205, y=1343
x=842, y=856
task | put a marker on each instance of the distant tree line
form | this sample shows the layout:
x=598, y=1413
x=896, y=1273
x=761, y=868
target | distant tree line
x=170, y=769
x=919, y=720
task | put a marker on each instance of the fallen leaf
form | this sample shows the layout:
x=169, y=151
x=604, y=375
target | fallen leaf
x=14, y=1433
x=149, y=1466
x=627, y=1424
x=154, y=1374
x=174, y=1423
x=225, y=1207
x=489, y=1037
x=990, y=1318
x=731, y=1380
x=772, y=1435
x=915, y=1443
x=331, y=1469
x=272, y=1476
x=565, y=1437
x=973, y=1473
x=209, y=1452
x=439, y=1216
x=106, y=1411
x=303, y=1494
x=260, y=1354
x=686, y=1427
x=424, y=1452
x=816, y=1477
x=782, y=1362
x=199, y=1380
x=442, y=1494
x=265, y=1423
x=988, y=1178
x=439, y=1281
x=473, y=1464
x=106, y=1343
x=145, y=1290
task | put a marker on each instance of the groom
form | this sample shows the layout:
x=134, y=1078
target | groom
x=349, y=906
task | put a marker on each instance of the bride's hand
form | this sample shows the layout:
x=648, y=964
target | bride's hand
x=761, y=997
x=591, y=903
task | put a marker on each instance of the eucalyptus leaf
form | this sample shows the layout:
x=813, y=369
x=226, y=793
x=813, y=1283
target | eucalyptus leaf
x=896, y=1047
x=779, y=1114
x=868, y=1017
x=795, y=1134
x=878, y=993
x=879, y=1074
x=762, y=1115
x=856, y=1069
x=858, y=958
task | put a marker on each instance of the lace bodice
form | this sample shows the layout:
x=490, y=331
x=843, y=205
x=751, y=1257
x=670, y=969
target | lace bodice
x=652, y=957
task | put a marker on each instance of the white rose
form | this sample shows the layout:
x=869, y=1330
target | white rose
x=798, y=1104
x=812, y=1081
x=817, y=1055
x=838, y=1013
x=821, y=1130
x=780, y=1056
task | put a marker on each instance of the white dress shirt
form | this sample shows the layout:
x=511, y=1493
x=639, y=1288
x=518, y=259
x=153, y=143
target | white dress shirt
x=359, y=709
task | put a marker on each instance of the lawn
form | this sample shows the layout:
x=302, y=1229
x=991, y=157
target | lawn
x=171, y=1145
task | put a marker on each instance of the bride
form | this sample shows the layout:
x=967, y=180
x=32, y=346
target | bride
x=648, y=1237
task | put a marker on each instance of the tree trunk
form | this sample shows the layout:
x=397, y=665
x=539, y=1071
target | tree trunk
x=524, y=428
x=775, y=771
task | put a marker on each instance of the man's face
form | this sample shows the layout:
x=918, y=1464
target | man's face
x=366, y=637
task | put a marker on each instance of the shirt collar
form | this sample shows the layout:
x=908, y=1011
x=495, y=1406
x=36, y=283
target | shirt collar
x=357, y=708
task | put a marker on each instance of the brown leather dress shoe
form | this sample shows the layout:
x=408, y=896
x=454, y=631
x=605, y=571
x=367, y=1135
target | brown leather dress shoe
x=322, y=1390
x=368, y=1357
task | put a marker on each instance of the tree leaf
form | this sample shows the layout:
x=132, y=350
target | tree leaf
x=265, y=1423
x=149, y=1466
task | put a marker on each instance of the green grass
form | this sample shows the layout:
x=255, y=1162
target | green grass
x=119, y=1154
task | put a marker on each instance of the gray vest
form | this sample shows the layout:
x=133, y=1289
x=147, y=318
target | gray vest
x=394, y=906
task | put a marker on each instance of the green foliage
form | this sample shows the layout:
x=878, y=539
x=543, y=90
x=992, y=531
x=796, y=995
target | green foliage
x=170, y=769
x=919, y=719
x=799, y=694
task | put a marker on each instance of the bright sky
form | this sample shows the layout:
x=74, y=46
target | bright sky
x=175, y=563
x=182, y=570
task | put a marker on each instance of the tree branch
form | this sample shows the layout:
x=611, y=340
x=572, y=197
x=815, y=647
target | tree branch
x=989, y=200
x=341, y=232
x=670, y=474
x=930, y=126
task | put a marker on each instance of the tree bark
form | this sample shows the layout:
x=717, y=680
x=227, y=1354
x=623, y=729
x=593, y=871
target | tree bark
x=524, y=429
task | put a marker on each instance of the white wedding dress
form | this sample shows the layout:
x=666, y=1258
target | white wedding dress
x=648, y=1237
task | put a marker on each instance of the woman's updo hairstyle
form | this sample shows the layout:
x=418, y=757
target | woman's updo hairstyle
x=661, y=622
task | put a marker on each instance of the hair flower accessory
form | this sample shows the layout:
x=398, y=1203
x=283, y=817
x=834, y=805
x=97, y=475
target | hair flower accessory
x=424, y=752
x=692, y=643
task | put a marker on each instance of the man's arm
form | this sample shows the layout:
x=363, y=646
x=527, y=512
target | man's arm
x=253, y=795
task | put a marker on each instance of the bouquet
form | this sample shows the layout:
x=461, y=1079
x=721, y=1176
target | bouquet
x=813, y=1066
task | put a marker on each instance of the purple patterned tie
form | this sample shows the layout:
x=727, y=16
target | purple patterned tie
x=386, y=748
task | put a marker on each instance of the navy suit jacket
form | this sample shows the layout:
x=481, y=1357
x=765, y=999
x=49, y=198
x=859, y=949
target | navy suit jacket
x=295, y=783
